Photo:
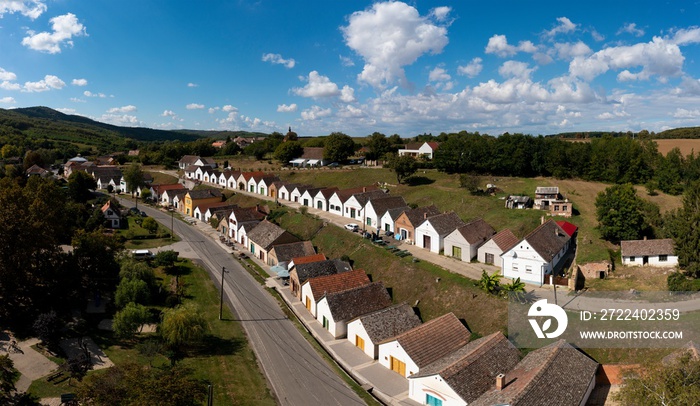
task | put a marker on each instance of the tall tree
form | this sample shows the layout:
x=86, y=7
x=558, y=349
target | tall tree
x=676, y=383
x=404, y=166
x=183, y=326
x=378, y=146
x=128, y=321
x=620, y=214
x=133, y=176
x=287, y=151
x=95, y=256
x=79, y=185
x=683, y=225
x=338, y=147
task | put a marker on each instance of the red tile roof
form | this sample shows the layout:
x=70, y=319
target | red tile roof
x=323, y=285
x=567, y=227
x=308, y=259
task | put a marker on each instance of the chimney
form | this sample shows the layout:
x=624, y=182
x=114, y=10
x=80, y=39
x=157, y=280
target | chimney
x=364, y=189
x=645, y=238
x=425, y=215
x=541, y=219
x=500, y=381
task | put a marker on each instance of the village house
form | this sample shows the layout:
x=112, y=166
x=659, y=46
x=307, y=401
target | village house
x=284, y=192
x=464, y=241
x=112, y=215
x=223, y=226
x=367, y=331
x=431, y=233
x=544, y=195
x=205, y=210
x=322, y=196
x=354, y=206
x=147, y=180
x=218, y=144
x=36, y=170
x=173, y=198
x=659, y=253
x=541, y=253
x=375, y=208
x=518, y=202
x=273, y=189
x=463, y=376
x=159, y=192
x=264, y=183
x=424, y=150
x=306, y=260
x=264, y=236
x=194, y=160
x=315, y=288
x=301, y=272
x=297, y=192
x=334, y=310
x=337, y=200
x=310, y=157
x=388, y=220
x=406, y=223
x=419, y=347
x=248, y=182
x=540, y=375
x=282, y=254
x=193, y=198
x=307, y=198
x=241, y=216
x=490, y=252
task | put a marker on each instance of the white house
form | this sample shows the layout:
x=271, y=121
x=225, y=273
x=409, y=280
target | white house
x=375, y=208
x=315, y=288
x=417, y=348
x=462, y=377
x=336, y=203
x=112, y=215
x=388, y=220
x=334, y=310
x=193, y=160
x=354, y=206
x=659, y=253
x=540, y=253
x=264, y=183
x=431, y=233
x=321, y=198
x=367, y=331
x=168, y=197
x=463, y=242
x=285, y=191
x=417, y=149
x=490, y=252
x=266, y=235
x=307, y=198
x=243, y=216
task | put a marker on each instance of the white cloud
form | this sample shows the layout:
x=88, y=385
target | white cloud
x=631, y=28
x=389, y=36
x=438, y=75
x=28, y=8
x=515, y=69
x=121, y=119
x=345, y=61
x=542, y=58
x=88, y=93
x=347, y=94
x=213, y=110
x=440, y=13
x=5, y=75
x=471, y=69
x=498, y=44
x=77, y=100
x=568, y=50
x=229, y=108
x=192, y=85
x=8, y=100
x=683, y=113
x=315, y=112
x=49, y=82
x=278, y=60
x=124, y=109
x=79, y=82
x=283, y=108
x=168, y=113
x=7, y=85
x=194, y=106
x=317, y=86
x=565, y=26
x=65, y=27
x=597, y=36
x=687, y=36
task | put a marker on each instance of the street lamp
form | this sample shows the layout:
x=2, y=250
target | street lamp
x=221, y=301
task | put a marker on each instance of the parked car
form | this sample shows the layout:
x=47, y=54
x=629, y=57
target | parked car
x=143, y=214
x=142, y=254
x=333, y=165
x=352, y=227
x=133, y=210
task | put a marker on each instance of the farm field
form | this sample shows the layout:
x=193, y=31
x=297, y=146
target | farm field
x=685, y=145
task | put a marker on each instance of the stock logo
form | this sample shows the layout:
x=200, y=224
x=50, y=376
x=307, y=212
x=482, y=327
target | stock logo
x=543, y=309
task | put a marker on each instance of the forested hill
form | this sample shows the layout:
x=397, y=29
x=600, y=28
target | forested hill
x=686, y=133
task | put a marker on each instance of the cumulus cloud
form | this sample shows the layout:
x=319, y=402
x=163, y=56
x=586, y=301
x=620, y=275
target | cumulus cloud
x=229, y=108
x=568, y=50
x=631, y=28
x=440, y=13
x=515, y=69
x=683, y=113
x=121, y=120
x=471, y=69
x=317, y=86
x=438, y=75
x=7, y=85
x=347, y=94
x=49, y=82
x=5, y=75
x=283, y=108
x=597, y=36
x=389, y=36
x=194, y=106
x=192, y=85
x=314, y=113
x=168, y=113
x=88, y=93
x=7, y=100
x=64, y=27
x=79, y=82
x=565, y=26
x=498, y=44
x=278, y=60
x=687, y=36
x=124, y=109
x=28, y=8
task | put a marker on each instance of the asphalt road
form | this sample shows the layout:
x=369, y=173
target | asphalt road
x=296, y=372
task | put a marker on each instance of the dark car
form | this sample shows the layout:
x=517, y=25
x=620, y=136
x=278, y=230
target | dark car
x=133, y=210
x=143, y=214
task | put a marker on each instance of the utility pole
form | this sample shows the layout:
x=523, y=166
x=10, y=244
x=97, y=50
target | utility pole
x=221, y=301
x=172, y=222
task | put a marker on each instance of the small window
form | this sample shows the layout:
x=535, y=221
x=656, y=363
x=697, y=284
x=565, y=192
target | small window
x=556, y=207
x=432, y=400
x=631, y=259
x=565, y=208
x=528, y=269
x=663, y=258
x=515, y=268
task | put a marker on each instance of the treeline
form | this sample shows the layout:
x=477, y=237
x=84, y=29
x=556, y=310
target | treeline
x=607, y=159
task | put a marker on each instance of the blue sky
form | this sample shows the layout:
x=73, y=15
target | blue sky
x=536, y=67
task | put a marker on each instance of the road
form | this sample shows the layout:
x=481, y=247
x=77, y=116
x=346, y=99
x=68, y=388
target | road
x=296, y=372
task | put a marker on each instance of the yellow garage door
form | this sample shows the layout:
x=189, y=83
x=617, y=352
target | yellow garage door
x=398, y=366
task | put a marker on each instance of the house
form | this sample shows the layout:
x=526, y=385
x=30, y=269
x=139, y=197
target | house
x=542, y=252
x=210, y=176
x=301, y=272
x=338, y=198
x=306, y=260
x=368, y=330
x=106, y=176
x=284, y=192
x=354, y=206
x=243, y=216
x=36, y=170
x=322, y=196
x=315, y=288
x=518, y=202
x=297, y=192
x=193, y=198
x=388, y=220
x=194, y=160
x=246, y=182
x=375, y=208
x=490, y=252
x=223, y=227
x=168, y=198
x=539, y=376
x=159, y=191
x=264, y=183
x=273, y=189
x=240, y=234
x=282, y=254
x=264, y=236
x=311, y=156
x=229, y=178
x=649, y=252
x=431, y=233
x=419, y=347
x=544, y=195
x=406, y=223
x=463, y=376
x=464, y=241
x=205, y=210
x=193, y=172
x=307, y=198
x=424, y=150
x=218, y=144
x=561, y=208
x=112, y=215
x=334, y=310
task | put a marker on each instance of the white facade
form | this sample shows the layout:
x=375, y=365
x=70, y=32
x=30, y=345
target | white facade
x=428, y=238
x=262, y=188
x=320, y=202
x=522, y=261
x=335, y=205
x=420, y=388
x=198, y=214
x=457, y=246
x=492, y=249
x=424, y=150
x=307, y=298
x=386, y=223
x=295, y=195
x=231, y=181
x=391, y=352
x=222, y=180
x=284, y=193
x=651, y=260
x=357, y=329
x=307, y=199
x=353, y=209
x=323, y=315
x=252, y=185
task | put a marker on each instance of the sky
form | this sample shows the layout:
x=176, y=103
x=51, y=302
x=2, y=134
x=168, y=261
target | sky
x=407, y=68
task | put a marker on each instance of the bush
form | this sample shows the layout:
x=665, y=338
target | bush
x=678, y=282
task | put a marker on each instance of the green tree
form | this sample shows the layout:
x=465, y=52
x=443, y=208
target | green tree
x=471, y=182
x=133, y=176
x=257, y=149
x=150, y=224
x=146, y=193
x=683, y=226
x=10, y=151
x=183, y=326
x=80, y=185
x=94, y=254
x=378, y=146
x=166, y=258
x=131, y=291
x=133, y=269
x=675, y=383
x=620, y=214
x=403, y=166
x=338, y=147
x=490, y=283
x=129, y=320
x=287, y=151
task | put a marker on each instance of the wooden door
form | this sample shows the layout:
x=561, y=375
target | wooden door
x=426, y=241
x=308, y=303
x=489, y=259
x=457, y=252
x=360, y=342
x=398, y=366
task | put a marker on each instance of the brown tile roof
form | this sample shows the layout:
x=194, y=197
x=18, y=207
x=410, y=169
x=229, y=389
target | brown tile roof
x=445, y=223
x=319, y=268
x=265, y=234
x=396, y=212
x=390, y=322
x=476, y=231
x=188, y=159
x=345, y=194
x=471, y=370
x=309, y=258
x=505, y=239
x=327, y=192
x=363, y=198
x=312, y=153
x=327, y=284
x=433, y=145
x=548, y=239
x=348, y=304
x=204, y=193
x=313, y=191
x=418, y=215
x=382, y=204
x=285, y=252
x=413, y=145
x=248, y=175
x=433, y=340
x=212, y=206
x=243, y=214
x=108, y=206
x=540, y=375
x=640, y=248
x=159, y=189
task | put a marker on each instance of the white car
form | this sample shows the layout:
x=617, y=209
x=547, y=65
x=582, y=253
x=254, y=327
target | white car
x=352, y=227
